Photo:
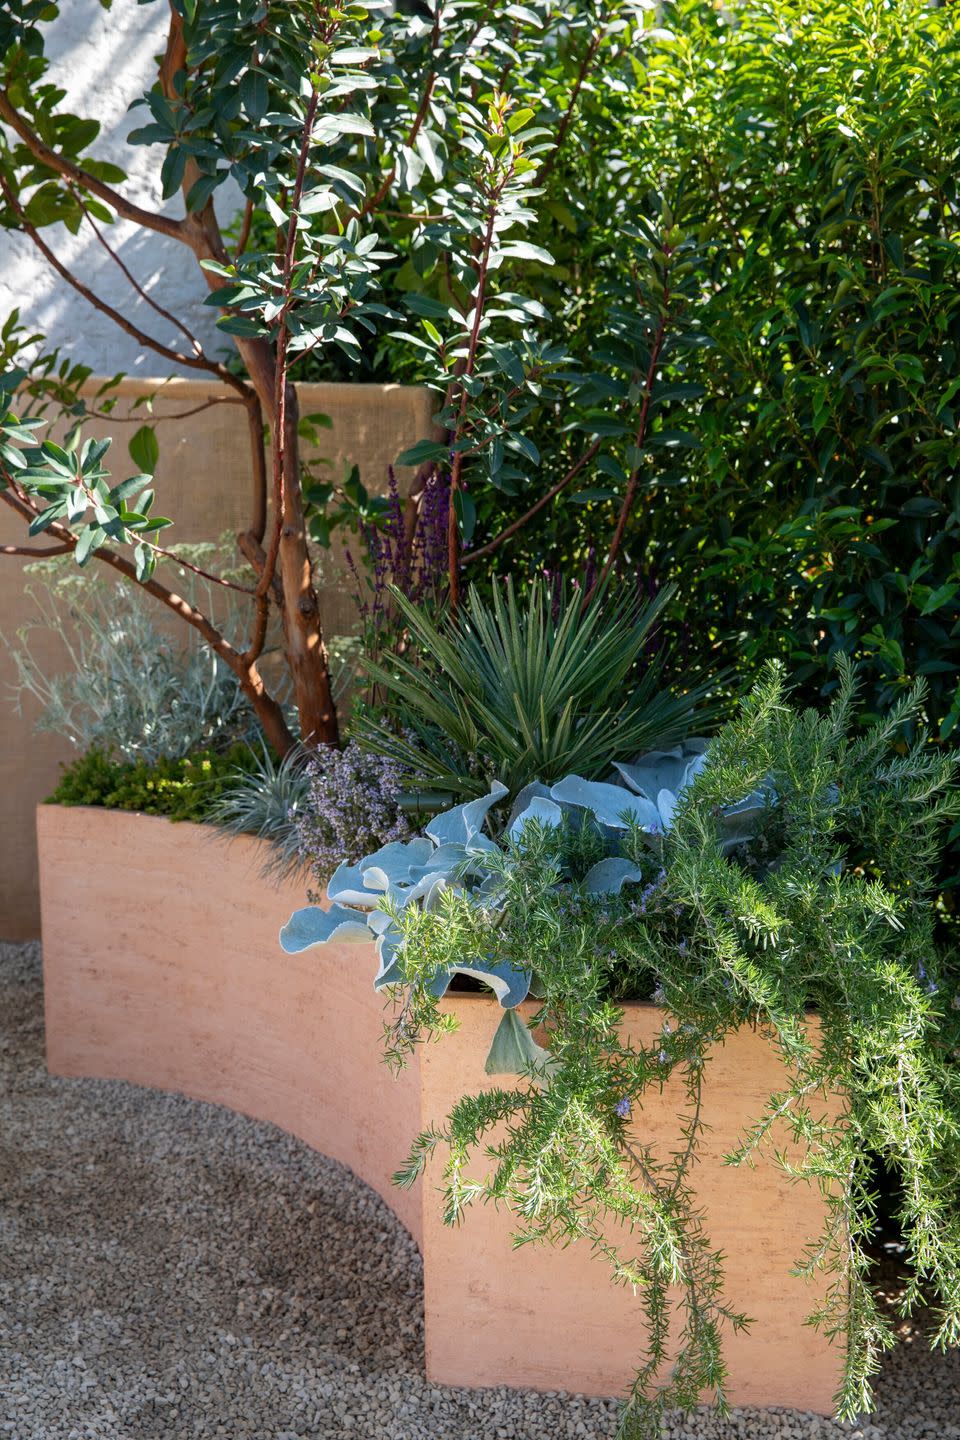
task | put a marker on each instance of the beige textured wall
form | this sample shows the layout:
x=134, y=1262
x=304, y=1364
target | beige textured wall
x=203, y=484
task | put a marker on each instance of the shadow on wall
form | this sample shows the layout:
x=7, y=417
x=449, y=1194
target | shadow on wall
x=203, y=484
x=104, y=60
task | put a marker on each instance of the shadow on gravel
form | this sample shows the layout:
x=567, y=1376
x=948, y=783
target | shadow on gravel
x=171, y=1271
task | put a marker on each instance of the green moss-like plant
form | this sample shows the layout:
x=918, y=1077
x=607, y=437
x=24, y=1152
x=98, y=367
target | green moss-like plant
x=184, y=789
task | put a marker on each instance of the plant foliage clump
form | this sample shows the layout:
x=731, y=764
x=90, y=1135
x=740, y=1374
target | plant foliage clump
x=522, y=689
x=126, y=686
x=352, y=805
x=818, y=930
x=182, y=788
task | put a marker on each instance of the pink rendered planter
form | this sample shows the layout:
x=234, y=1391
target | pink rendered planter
x=162, y=966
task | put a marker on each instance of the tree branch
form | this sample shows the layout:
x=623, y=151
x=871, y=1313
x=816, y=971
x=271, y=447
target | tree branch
x=258, y=460
x=281, y=382
x=567, y=118
x=162, y=419
x=154, y=305
x=494, y=544
x=193, y=362
x=373, y=201
x=641, y=435
x=34, y=553
x=162, y=224
x=244, y=230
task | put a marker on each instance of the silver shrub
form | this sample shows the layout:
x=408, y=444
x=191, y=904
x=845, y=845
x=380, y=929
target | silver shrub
x=126, y=686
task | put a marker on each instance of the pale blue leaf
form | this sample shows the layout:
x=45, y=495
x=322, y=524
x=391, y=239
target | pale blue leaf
x=398, y=856
x=665, y=769
x=611, y=804
x=346, y=885
x=608, y=876
x=666, y=804
x=390, y=971
x=313, y=926
x=514, y=1050
x=540, y=808
x=529, y=792
x=508, y=983
x=459, y=825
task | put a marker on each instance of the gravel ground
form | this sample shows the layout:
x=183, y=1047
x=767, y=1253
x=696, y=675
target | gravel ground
x=171, y=1271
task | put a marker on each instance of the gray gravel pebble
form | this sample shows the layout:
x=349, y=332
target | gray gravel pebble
x=172, y=1271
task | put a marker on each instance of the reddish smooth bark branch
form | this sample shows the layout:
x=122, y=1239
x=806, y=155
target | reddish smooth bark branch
x=162, y=419
x=373, y=202
x=641, y=435
x=135, y=283
x=281, y=383
x=267, y=710
x=493, y=545
x=453, y=530
x=567, y=118
x=37, y=553
x=193, y=362
x=244, y=230
x=258, y=458
x=162, y=224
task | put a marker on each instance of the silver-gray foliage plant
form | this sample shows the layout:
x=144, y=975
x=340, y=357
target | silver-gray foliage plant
x=455, y=855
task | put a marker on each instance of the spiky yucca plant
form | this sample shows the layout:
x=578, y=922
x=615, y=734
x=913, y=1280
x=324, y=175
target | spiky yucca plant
x=527, y=689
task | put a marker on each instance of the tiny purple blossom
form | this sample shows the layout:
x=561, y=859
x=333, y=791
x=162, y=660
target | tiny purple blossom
x=622, y=1107
x=352, y=808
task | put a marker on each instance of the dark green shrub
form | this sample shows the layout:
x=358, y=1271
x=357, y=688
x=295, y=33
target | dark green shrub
x=184, y=789
x=801, y=477
x=813, y=150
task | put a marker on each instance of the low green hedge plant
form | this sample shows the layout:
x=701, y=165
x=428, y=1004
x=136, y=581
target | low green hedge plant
x=182, y=789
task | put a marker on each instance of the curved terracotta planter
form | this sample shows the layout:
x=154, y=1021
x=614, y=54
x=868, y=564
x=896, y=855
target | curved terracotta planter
x=162, y=966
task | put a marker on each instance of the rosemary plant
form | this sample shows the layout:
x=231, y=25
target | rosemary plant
x=826, y=906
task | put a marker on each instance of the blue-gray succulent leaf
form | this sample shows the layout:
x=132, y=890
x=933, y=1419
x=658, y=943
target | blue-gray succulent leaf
x=439, y=984
x=535, y=790
x=696, y=744
x=397, y=857
x=376, y=880
x=540, y=808
x=346, y=886
x=693, y=767
x=611, y=805
x=666, y=804
x=442, y=858
x=658, y=770
x=739, y=821
x=756, y=803
x=314, y=926
x=609, y=876
x=431, y=897
x=508, y=982
x=514, y=1050
x=459, y=825
x=389, y=952
x=671, y=770
x=382, y=871
x=379, y=921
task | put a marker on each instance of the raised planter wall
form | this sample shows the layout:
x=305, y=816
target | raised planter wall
x=162, y=966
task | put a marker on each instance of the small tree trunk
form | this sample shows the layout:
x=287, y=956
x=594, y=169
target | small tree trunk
x=304, y=646
x=303, y=634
